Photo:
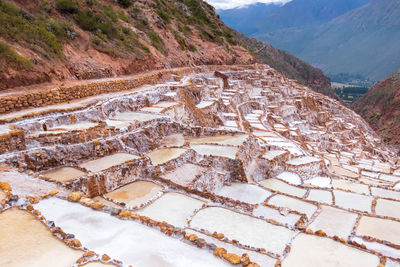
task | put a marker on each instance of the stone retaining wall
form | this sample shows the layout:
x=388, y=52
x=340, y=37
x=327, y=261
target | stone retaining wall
x=11, y=103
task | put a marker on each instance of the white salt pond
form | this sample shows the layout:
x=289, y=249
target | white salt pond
x=184, y=175
x=71, y=127
x=270, y=213
x=107, y=162
x=246, y=229
x=278, y=185
x=136, y=193
x=290, y=177
x=341, y=171
x=321, y=196
x=248, y=193
x=164, y=155
x=334, y=222
x=234, y=140
x=214, y=150
x=381, y=248
x=204, y=104
x=131, y=242
x=319, y=182
x=63, y=174
x=379, y=228
x=310, y=250
x=385, y=193
x=25, y=241
x=272, y=154
x=261, y=259
x=388, y=208
x=174, y=208
x=121, y=125
x=137, y=116
x=173, y=140
x=293, y=204
x=352, y=201
x=349, y=185
x=303, y=161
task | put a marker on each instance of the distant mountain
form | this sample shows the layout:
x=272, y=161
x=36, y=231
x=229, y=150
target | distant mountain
x=289, y=65
x=380, y=106
x=266, y=18
x=338, y=36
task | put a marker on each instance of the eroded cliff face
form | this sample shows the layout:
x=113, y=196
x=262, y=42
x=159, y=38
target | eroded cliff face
x=380, y=106
x=97, y=39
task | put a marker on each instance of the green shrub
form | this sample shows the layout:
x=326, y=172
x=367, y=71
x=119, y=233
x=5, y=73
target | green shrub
x=156, y=41
x=124, y=3
x=164, y=16
x=12, y=58
x=95, y=40
x=179, y=38
x=93, y=22
x=66, y=6
x=18, y=25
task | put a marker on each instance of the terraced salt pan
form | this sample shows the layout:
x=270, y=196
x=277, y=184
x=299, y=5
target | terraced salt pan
x=163, y=155
x=390, y=178
x=385, y=250
x=352, y=201
x=278, y=185
x=319, y=182
x=173, y=208
x=235, y=140
x=272, y=154
x=247, y=230
x=184, y=175
x=385, y=193
x=131, y=242
x=341, y=171
x=349, y=185
x=106, y=202
x=293, y=204
x=107, y=162
x=118, y=124
x=372, y=181
x=270, y=213
x=204, y=104
x=248, y=193
x=136, y=193
x=25, y=241
x=389, y=208
x=63, y=174
x=311, y=250
x=152, y=109
x=165, y=104
x=321, y=196
x=261, y=259
x=76, y=126
x=214, y=150
x=334, y=222
x=136, y=116
x=370, y=174
x=379, y=228
x=302, y=161
x=290, y=177
x=173, y=140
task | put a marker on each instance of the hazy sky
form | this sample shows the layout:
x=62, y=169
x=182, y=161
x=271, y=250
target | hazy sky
x=227, y=4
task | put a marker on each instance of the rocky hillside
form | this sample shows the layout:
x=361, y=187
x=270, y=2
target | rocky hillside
x=52, y=40
x=381, y=108
x=289, y=65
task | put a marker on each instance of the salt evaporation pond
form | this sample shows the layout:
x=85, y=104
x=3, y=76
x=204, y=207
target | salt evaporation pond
x=390, y=208
x=278, y=185
x=379, y=228
x=310, y=250
x=131, y=242
x=163, y=155
x=173, y=140
x=137, y=116
x=136, y=193
x=248, y=193
x=184, y=175
x=234, y=140
x=174, y=208
x=334, y=222
x=107, y=162
x=25, y=241
x=352, y=201
x=63, y=174
x=270, y=213
x=219, y=151
x=293, y=204
x=246, y=229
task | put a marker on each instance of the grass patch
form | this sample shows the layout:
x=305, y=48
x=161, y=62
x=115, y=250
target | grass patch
x=12, y=58
x=18, y=25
